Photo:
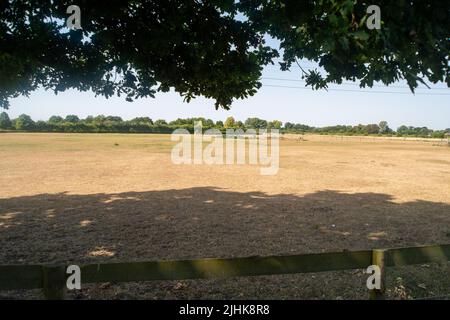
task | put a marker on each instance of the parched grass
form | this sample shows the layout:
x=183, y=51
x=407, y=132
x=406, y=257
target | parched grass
x=86, y=142
x=88, y=198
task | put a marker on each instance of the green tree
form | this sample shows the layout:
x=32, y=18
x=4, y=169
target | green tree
x=206, y=122
x=142, y=120
x=5, y=121
x=24, y=122
x=216, y=48
x=89, y=119
x=160, y=122
x=119, y=119
x=72, y=118
x=373, y=129
x=180, y=122
x=402, y=130
x=289, y=126
x=255, y=123
x=240, y=125
x=55, y=119
x=384, y=127
x=275, y=124
x=42, y=125
x=229, y=123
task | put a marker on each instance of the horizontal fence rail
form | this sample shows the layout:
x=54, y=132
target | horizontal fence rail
x=53, y=278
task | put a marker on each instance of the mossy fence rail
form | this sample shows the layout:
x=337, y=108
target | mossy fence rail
x=52, y=279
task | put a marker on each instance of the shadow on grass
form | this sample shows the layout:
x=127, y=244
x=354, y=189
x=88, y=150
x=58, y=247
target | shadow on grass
x=209, y=222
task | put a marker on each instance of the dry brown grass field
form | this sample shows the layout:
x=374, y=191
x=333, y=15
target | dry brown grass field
x=83, y=198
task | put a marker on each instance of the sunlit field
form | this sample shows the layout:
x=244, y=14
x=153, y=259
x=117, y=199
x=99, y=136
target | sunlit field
x=86, y=198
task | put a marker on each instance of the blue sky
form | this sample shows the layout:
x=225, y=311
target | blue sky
x=317, y=108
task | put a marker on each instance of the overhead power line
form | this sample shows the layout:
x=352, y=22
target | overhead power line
x=359, y=91
x=350, y=84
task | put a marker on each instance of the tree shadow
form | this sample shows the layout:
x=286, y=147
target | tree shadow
x=209, y=222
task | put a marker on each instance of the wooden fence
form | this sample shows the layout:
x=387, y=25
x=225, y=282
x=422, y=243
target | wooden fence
x=52, y=279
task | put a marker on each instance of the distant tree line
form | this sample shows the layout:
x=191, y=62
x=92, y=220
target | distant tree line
x=113, y=124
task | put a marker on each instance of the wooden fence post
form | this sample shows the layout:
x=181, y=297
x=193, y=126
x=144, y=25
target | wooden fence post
x=54, y=282
x=379, y=259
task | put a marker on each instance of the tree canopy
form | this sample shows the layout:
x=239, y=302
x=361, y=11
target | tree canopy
x=216, y=48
